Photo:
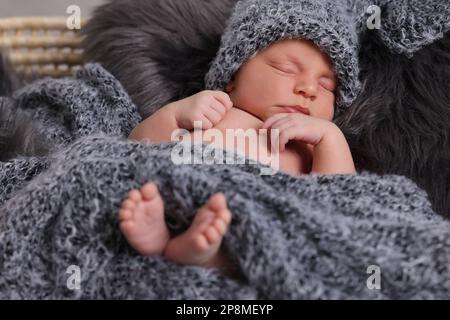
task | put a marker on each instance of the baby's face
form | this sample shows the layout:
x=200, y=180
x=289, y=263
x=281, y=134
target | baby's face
x=287, y=73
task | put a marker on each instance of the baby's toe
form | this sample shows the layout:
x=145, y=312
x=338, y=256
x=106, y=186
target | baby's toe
x=135, y=195
x=149, y=191
x=125, y=214
x=127, y=227
x=217, y=202
x=129, y=204
x=201, y=242
x=220, y=226
x=212, y=235
x=225, y=216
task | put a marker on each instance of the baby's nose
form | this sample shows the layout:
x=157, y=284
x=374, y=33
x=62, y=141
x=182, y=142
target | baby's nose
x=308, y=90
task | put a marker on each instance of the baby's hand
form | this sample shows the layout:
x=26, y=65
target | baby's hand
x=299, y=127
x=207, y=106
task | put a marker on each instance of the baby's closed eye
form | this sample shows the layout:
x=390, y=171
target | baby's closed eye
x=327, y=83
x=287, y=68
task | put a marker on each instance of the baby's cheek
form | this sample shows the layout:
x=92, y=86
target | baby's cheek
x=330, y=105
x=326, y=110
x=279, y=88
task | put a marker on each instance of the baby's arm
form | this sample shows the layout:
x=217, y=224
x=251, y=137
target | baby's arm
x=331, y=153
x=208, y=107
x=158, y=127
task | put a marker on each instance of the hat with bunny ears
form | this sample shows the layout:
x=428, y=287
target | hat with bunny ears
x=256, y=24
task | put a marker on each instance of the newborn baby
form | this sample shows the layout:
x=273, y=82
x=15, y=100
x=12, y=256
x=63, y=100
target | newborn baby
x=290, y=86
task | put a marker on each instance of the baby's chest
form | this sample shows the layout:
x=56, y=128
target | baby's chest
x=240, y=132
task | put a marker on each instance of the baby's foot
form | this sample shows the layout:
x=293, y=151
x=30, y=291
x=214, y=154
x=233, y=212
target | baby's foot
x=142, y=220
x=199, y=245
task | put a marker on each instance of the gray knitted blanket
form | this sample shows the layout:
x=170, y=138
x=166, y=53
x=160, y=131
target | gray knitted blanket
x=329, y=237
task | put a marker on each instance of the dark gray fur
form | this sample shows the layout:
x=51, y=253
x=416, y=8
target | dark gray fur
x=159, y=50
x=401, y=121
x=18, y=136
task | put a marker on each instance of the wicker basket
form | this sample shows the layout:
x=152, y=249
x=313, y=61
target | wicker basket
x=41, y=46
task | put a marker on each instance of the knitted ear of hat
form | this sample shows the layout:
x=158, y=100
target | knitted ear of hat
x=409, y=25
x=256, y=24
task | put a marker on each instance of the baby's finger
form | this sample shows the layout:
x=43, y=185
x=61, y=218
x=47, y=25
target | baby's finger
x=279, y=123
x=282, y=124
x=276, y=133
x=219, y=107
x=205, y=123
x=224, y=99
x=212, y=115
x=269, y=122
x=286, y=134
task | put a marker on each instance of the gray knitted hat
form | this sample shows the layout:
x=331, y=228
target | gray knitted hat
x=255, y=24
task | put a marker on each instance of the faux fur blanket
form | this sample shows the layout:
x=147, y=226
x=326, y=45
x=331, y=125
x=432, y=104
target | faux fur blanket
x=292, y=237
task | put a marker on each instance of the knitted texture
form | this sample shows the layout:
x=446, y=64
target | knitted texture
x=291, y=237
x=64, y=110
x=409, y=25
x=256, y=24
x=76, y=102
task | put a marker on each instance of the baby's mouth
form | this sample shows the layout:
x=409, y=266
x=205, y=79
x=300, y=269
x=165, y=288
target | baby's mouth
x=296, y=109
